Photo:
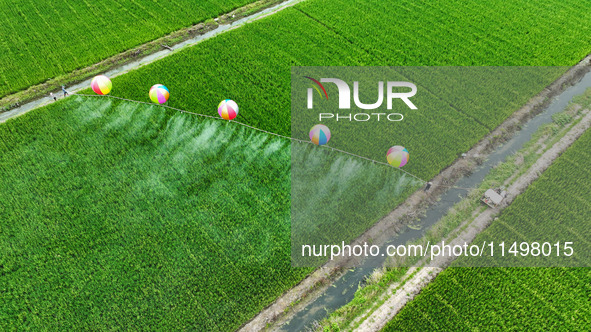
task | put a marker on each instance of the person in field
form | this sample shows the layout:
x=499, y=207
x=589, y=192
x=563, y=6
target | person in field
x=53, y=96
x=64, y=90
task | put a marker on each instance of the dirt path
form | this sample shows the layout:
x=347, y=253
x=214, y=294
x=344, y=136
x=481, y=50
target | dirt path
x=378, y=319
x=198, y=33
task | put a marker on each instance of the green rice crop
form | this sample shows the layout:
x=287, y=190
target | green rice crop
x=557, y=204
x=251, y=65
x=118, y=215
x=134, y=216
x=45, y=39
x=496, y=298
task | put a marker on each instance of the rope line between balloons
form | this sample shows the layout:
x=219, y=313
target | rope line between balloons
x=271, y=133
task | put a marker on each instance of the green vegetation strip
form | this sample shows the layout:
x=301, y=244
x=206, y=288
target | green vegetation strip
x=464, y=299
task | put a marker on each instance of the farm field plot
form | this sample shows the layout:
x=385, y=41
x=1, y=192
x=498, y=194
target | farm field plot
x=117, y=215
x=464, y=299
x=459, y=33
x=158, y=218
x=509, y=298
x=44, y=39
x=258, y=57
x=468, y=33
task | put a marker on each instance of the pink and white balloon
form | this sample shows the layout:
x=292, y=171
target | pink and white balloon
x=397, y=156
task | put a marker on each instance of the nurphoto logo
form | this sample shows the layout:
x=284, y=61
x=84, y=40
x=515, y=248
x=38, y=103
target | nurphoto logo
x=344, y=99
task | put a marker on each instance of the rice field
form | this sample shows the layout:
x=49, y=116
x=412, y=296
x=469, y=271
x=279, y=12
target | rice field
x=252, y=65
x=557, y=205
x=45, y=39
x=126, y=216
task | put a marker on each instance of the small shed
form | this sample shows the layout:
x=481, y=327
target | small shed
x=493, y=198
